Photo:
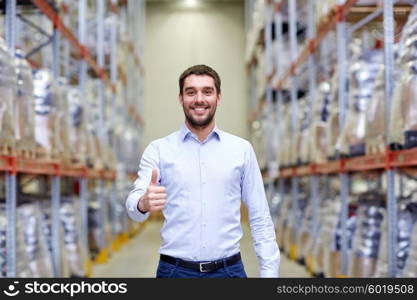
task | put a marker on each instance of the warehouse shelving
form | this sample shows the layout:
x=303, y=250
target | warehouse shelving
x=12, y=165
x=388, y=162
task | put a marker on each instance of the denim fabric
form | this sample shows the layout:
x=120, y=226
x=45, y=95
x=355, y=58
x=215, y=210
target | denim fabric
x=167, y=270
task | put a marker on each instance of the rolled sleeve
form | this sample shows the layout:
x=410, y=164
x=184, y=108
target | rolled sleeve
x=149, y=161
x=262, y=227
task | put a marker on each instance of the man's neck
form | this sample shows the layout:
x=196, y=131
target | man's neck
x=201, y=131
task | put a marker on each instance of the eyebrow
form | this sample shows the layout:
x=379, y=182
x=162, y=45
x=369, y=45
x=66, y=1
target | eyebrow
x=204, y=88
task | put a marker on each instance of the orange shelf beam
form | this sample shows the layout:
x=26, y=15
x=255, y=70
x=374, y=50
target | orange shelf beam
x=375, y=162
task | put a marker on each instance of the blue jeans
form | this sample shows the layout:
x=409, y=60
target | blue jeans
x=167, y=270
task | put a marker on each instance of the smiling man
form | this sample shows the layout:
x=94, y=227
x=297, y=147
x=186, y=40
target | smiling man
x=198, y=176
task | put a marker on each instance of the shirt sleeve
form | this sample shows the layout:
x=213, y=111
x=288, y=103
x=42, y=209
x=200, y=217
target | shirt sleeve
x=149, y=161
x=262, y=227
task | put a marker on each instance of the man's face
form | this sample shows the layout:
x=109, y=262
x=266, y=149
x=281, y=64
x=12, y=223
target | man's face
x=199, y=99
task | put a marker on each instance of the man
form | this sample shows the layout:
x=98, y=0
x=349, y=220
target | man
x=197, y=176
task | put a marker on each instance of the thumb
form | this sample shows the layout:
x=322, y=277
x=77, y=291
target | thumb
x=154, y=177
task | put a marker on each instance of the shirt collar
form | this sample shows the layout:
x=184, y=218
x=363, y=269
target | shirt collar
x=184, y=132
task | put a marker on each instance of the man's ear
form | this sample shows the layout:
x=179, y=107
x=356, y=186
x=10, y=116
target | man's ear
x=180, y=99
x=219, y=98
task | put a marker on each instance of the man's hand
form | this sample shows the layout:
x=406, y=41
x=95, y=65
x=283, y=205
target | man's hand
x=155, y=196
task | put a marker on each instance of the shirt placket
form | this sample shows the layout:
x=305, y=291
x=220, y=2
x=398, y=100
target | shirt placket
x=203, y=182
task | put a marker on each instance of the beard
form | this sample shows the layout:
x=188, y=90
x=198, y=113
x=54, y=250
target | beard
x=199, y=123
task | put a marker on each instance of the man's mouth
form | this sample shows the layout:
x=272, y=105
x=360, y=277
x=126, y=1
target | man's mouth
x=200, y=109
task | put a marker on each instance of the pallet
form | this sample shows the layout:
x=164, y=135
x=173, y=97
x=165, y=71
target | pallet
x=26, y=153
x=7, y=149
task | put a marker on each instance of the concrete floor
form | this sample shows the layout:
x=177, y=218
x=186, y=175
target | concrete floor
x=139, y=257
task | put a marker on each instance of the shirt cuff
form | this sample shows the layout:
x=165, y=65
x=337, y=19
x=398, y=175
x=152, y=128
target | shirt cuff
x=132, y=208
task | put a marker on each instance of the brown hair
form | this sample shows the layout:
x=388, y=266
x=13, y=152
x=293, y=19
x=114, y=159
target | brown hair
x=200, y=70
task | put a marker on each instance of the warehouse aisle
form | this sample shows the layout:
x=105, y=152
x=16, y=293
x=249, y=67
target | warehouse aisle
x=139, y=257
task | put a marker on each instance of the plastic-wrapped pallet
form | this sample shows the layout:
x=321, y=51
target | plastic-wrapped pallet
x=39, y=259
x=304, y=234
x=285, y=145
x=74, y=248
x=410, y=269
x=46, y=228
x=333, y=130
x=406, y=219
x=362, y=72
x=404, y=121
x=294, y=221
x=65, y=148
x=332, y=232
x=7, y=98
x=94, y=146
x=25, y=107
x=367, y=237
x=282, y=222
x=46, y=97
x=301, y=137
x=77, y=132
x=22, y=263
x=318, y=137
x=98, y=226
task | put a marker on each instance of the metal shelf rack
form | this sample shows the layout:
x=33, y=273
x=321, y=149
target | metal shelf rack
x=276, y=78
x=55, y=169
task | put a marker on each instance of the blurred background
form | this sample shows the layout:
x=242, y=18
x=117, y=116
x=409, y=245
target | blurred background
x=324, y=90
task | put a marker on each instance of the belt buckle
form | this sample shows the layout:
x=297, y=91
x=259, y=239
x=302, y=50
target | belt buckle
x=202, y=265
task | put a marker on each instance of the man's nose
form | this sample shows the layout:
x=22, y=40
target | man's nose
x=199, y=96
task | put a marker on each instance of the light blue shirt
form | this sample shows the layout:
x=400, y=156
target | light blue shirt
x=205, y=183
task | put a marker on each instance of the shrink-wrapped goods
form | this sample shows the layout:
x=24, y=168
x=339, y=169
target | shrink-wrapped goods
x=318, y=133
x=362, y=72
x=333, y=129
x=25, y=108
x=7, y=99
x=46, y=228
x=38, y=257
x=410, y=269
x=99, y=234
x=406, y=219
x=46, y=95
x=74, y=248
x=285, y=147
x=282, y=222
x=295, y=217
x=375, y=118
x=77, y=134
x=22, y=263
x=332, y=233
x=367, y=237
x=403, y=124
x=299, y=150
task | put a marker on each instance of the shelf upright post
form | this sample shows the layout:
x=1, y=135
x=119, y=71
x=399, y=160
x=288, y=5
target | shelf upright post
x=100, y=61
x=10, y=20
x=66, y=45
x=292, y=13
x=102, y=103
x=312, y=81
x=343, y=104
x=389, y=77
x=271, y=161
x=113, y=77
x=83, y=181
x=279, y=100
x=56, y=178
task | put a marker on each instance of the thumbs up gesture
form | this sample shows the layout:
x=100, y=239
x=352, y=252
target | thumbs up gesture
x=155, y=197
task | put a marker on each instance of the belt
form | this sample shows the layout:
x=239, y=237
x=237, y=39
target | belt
x=203, y=267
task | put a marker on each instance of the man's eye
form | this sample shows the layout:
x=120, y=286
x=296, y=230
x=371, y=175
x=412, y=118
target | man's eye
x=208, y=92
x=190, y=93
